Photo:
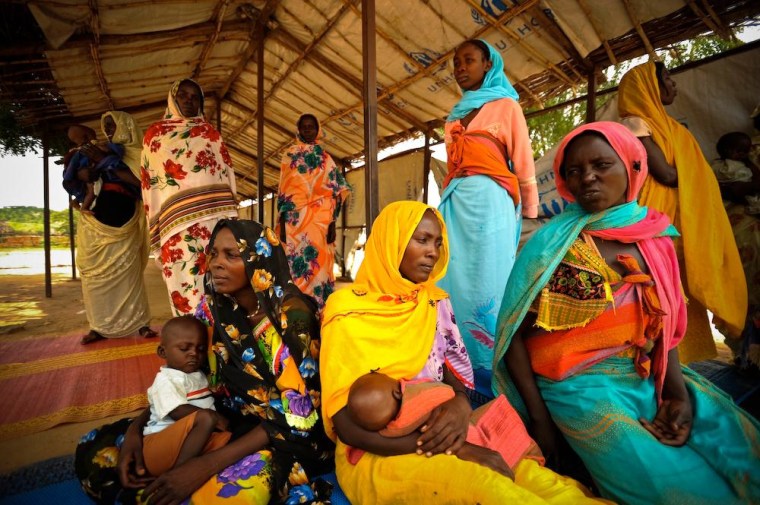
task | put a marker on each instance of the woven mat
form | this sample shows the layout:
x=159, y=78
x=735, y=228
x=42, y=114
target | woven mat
x=46, y=382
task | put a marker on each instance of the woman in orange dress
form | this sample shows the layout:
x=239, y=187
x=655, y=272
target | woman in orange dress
x=312, y=189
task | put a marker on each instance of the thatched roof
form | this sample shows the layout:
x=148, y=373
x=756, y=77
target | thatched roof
x=68, y=61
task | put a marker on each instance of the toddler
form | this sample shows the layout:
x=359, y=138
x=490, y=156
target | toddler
x=738, y=176
x=183, y=422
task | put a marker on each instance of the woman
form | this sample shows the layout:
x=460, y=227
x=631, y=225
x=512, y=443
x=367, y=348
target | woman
x=265, y=378
x=395, y=321
x=312, y=190
x=588, y=336
x=112, y=247
x=683, y=187
x=490, y=183
x=188, y=185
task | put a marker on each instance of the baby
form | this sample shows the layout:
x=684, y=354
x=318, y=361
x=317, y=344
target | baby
x=738, y=177
x=79, y=176
x=183, y=422
x=395, y=408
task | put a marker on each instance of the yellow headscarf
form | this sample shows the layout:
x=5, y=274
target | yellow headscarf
x=713, y=269
x=127, y=134
x=382, y=321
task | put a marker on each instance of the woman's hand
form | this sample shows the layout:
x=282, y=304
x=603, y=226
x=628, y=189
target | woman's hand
x=485, y=457
x=446, y=428
x=178, y=483
x=672, y=423
x=92, y=152
x=545, y=435
x=130, y=465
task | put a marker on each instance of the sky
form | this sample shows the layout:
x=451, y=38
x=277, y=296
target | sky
x=22, y=184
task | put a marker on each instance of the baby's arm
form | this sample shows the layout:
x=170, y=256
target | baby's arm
x=89, y=197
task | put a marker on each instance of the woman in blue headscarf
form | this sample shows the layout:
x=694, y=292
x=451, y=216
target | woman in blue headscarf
x=490, y=183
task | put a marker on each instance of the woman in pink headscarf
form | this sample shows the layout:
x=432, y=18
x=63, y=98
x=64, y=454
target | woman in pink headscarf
x=588, y=335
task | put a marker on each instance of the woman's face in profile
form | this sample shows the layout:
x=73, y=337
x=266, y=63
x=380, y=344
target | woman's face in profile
x=423, y=250
x=594, y=174
x=667, y=86
x=226, y=264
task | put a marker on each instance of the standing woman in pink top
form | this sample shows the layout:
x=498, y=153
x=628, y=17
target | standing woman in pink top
x=490, y=185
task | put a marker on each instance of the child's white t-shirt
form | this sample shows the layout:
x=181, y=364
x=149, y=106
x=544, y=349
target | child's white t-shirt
x=731, y=171
x=173, y=388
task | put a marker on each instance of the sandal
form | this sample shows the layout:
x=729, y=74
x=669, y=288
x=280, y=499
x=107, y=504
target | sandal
x=92, y=336
x=147, y=332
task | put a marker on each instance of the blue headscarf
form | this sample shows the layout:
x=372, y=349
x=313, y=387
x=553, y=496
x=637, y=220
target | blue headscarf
x=495, y=86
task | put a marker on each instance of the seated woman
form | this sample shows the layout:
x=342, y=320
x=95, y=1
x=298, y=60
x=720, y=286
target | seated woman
x=394, y=320
x=263, y=371
x=588, y=334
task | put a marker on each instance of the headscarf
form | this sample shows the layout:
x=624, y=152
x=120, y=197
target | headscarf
x=695, y=208
x=276, y=380
x=172, y=109
x=128, y=135
x=495, y=87
x=382, y=321
x=627, y=223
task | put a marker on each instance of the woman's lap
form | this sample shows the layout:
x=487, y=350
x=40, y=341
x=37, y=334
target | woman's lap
x=447, y=479
x=598, y=413
x=247, y=481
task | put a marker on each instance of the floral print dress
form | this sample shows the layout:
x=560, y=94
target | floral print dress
x=312, y=188
x=262, y=374
x=188, y=185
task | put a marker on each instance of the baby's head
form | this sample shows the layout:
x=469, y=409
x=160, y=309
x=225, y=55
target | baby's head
x=184, y=341
x=734, y=146
x=81, y=134
x=374, y=400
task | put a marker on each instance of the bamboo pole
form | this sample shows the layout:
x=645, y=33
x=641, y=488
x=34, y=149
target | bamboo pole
x=46, y=211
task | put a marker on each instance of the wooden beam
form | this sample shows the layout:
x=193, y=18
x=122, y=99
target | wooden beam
x=639, y=29
x=597, y=29
x=95, y=52
x=557, y=38
x=260, y=128
x=219, y=11
x=305, y=52
x=591, y=96
x=258, y=29
x=46, y=210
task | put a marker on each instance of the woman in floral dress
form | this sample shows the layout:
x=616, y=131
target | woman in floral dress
x=312, y=189
x=188, y=185
x=264, y=374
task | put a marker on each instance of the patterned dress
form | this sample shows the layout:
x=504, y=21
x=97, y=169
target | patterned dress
x=265, y=374
x=312, y=188
x=188, y=185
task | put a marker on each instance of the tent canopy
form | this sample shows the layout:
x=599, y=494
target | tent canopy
x=70, y=60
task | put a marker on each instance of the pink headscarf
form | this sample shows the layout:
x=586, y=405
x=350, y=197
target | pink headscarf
x=629, y=149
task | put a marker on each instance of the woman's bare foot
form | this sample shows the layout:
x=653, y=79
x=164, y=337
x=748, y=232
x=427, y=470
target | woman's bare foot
x=147, y=332
x=92, y=336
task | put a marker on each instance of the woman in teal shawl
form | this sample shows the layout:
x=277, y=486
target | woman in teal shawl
x=588, y=335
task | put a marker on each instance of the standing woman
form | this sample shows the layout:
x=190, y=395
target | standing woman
x=112, y=245
x=683, y=187
x=188, y=185
x=491, y=181
x=312, y=190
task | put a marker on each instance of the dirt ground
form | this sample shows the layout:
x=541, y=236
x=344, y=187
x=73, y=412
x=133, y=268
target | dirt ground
x=25, y=313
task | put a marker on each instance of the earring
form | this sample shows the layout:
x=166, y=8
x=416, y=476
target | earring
x=637, y=166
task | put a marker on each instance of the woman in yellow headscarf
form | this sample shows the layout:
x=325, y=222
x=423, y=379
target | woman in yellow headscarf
x=394, y=320
x=683, y=186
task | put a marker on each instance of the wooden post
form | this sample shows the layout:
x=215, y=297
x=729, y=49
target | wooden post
x=71, y=243
x=46, y=212
x=218, y=112
x=260, y=126
x=369, y=96
x=591, y=96
x=426, y=167
x=343, y=224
